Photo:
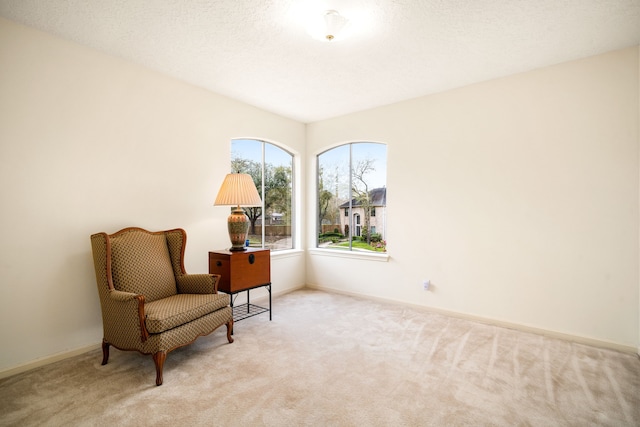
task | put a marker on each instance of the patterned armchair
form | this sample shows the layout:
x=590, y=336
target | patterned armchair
x=148, y=302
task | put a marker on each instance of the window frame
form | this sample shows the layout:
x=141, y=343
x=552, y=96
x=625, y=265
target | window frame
x=262, y=188
x=348, y=211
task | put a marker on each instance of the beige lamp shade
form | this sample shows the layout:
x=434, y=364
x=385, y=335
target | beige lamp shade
x=237, y=190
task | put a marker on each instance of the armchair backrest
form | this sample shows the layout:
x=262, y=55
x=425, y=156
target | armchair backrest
x=140, y=262
x=177, y=241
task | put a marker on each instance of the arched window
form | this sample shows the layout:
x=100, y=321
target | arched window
x=272, y=170
x=352, y=197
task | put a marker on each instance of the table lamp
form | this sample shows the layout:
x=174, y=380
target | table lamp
x=237, y=190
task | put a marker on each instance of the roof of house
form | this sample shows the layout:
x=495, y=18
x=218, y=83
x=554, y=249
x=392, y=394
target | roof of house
x=378, y=198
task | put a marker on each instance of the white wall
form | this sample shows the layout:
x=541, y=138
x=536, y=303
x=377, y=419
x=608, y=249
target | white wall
x=517, y=197
x=91, y=143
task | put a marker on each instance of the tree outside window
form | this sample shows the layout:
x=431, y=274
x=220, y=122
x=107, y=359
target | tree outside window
x=271, y=168
x=352, y=197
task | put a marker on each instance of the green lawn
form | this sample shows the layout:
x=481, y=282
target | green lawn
x=359, y=245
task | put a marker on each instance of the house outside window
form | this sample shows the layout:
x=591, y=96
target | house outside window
x=352, y=197
x=377, y=198
x=271, y=168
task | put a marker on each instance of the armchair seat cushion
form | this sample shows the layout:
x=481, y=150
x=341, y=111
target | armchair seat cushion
x=176, y=310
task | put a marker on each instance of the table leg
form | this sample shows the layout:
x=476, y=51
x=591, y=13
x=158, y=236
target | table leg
x=269, y=289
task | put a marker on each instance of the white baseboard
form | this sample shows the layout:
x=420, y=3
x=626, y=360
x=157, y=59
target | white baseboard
x=264, y=296
x=524, y=328
x=47, y=360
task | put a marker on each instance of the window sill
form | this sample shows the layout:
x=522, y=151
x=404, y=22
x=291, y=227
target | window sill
x=286, y=253
x=381, y=257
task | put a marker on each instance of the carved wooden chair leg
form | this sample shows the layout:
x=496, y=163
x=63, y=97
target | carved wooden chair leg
x=105, y=352
x=158, y=359
x=230, y=330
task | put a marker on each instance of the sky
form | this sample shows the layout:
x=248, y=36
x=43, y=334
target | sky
x=333, y=161
x=338, y=159
x=251, y=149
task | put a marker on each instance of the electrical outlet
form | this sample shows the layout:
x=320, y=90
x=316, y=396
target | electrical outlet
x=426, y=284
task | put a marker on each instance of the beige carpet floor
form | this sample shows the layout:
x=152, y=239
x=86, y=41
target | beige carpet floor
x=335, y=360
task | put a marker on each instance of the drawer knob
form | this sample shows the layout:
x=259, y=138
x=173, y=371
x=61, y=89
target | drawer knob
x=219, y=263
x=252, y=258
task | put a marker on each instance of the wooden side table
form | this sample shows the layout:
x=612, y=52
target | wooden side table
x=240, y=272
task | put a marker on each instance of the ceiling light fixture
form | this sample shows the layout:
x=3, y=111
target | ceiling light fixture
x=334, y=23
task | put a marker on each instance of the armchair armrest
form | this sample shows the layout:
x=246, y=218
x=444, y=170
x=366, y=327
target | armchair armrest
x=198, y=283
x=121, y=296
x=129, y=305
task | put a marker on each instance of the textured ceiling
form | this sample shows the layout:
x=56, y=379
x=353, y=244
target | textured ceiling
x=259, y=52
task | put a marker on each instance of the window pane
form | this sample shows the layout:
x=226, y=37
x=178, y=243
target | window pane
x=368, y=186
x=246, y=157
x=271, y=168
x=278, y=198
x=333, y=190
